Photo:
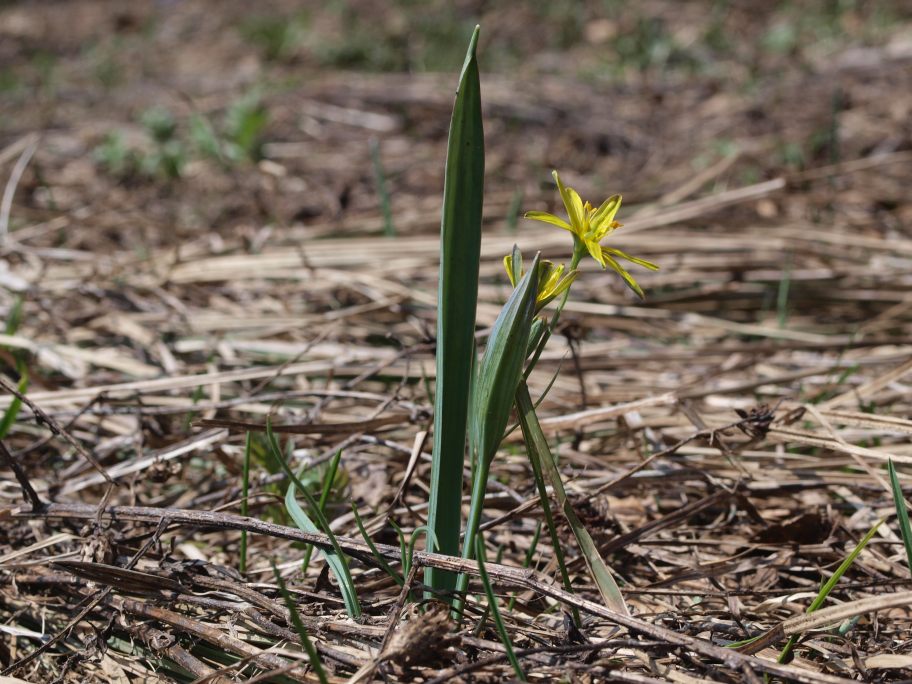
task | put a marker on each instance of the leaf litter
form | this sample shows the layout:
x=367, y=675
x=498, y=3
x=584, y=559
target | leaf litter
x=724, y=441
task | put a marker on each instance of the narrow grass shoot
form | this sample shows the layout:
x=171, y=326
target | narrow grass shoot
x=13, y=321
x=381, y=561
x=460, y=250
x=538, y=448
x=403, y=547
x=407, y=548
x=329, y=477
x=12, y=411
x=431, y=546
x=299, y=627
x=514, y=210
x=902, y=512
x=828, y=586
x=335, y=559
x=495, y=611
x=556, y=542
x=245, y=507
x=382, y=190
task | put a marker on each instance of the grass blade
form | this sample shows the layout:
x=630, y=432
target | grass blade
x=495, y=611
x=299, y=627
x=389, y=229
x=828, y=586
x=535, y=462
x=328, y=478
x=538, y=448
x=381, y=561
x=460, y=248
x=12, y=411
x=902, y=513
x=335, y=559
x=431, y=545
x=245, y=508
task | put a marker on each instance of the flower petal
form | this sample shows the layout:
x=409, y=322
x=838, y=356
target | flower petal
x=605, y=214
x=595, y=250
x=636, y=260
x=631, y=283
x=508, y=267
x=548, y=218
x=547, y=281
x=572, y=203
x=551, y=294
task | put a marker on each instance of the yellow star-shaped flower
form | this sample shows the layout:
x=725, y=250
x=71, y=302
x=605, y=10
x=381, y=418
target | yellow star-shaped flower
x=590, y=226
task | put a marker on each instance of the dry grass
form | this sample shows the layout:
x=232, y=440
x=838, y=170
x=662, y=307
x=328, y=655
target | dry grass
x=160, y=316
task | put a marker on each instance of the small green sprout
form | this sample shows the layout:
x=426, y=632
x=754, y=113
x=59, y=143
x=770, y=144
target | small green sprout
x=589, y=227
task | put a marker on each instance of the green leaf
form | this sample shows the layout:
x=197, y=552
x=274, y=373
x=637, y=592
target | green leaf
x=12, y=411
x=538, y=449
x=381, y=561
x=335, y=559
x=828, y=586
x=502, y=363
x=498, y=376
x=495, y=611
x=245, y=506
x=902, y=513
x=460, y=249
x=299, y=627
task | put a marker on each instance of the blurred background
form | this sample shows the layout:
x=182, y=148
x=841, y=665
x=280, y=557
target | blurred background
x=188, y=115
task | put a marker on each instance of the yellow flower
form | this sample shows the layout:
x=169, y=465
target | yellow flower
x=551, y=281
x=590, y=226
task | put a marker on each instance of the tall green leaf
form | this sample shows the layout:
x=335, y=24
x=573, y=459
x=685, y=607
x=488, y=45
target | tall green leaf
x=460, y=250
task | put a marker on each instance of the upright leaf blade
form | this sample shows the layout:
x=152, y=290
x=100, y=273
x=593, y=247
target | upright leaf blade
x=335, y=558
x=538, y=448
x=460, y=250
x=902, y=513
x=502, y=364
x=499, y=374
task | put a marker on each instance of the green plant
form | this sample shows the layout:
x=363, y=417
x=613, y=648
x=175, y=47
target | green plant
x=460, y=251
x=13, y=321
x=335, y=558
x=170, y=145
x=245, y=506
x=168, y=155
x=828, y=586
x=382, y=190
x=276, y=36
x=299, y=627
x=243, y=127
x=114, y=156
x=491, y=387
x=326, y=486
x=381, y=561
x=902, y=512
x=495, y=611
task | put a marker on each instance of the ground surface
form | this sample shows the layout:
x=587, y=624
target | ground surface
x=193, y=229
